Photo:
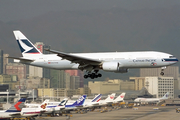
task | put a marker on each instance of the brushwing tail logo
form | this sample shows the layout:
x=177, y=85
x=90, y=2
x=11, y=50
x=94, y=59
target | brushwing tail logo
x=25, y=47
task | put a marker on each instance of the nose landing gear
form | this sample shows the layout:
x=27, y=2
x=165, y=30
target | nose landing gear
x=162, y=71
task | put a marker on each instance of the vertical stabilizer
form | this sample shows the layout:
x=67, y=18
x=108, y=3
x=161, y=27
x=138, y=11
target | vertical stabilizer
x=97, y=98
x=80, y=101
x=120, y=97
x=63, y=102
x=110, y=97
x=26, y=47
x=17, y=106
x=166, y=96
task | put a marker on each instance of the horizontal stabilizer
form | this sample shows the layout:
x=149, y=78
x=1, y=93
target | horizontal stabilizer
x=22, y=59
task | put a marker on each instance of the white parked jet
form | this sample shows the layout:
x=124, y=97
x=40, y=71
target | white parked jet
x=13, y=111
x=47, y=107
x=109, y=100
x=118, y=62
x=91, y=103
x=120, y=98
x=166, y=96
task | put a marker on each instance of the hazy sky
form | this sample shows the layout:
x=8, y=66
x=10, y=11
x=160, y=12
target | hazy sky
x=20, y=9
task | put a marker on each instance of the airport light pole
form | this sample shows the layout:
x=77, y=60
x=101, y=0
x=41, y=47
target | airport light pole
x=7, y=96
x=33, y=95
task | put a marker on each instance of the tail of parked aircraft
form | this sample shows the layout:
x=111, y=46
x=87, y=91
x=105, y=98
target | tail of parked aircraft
x=17, y=106
x=80, y=101
x=120, y=97
x=110, y=97
x=26, y=47
x=97, y=98
x=63, y=102
x=166, y=96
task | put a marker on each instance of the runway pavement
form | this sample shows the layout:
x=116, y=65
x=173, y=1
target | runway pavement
x=142, y=113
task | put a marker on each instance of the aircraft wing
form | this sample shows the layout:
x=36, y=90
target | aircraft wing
x=22, y=59
x=76, y=59
x=15, y=114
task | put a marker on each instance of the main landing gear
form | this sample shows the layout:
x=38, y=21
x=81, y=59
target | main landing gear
x=93, y=75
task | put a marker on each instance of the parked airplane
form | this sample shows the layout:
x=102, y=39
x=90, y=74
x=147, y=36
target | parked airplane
x=120, y=98
x=33, y=111
x=91, y=103
x=118, y=62
x=73, y=106
x=108, y=100
x=14, y=110
x=47, y=107
x=166, y=96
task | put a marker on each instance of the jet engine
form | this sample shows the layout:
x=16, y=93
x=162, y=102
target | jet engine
x=113, y=67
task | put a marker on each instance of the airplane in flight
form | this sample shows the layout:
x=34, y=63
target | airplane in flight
x=166, y=96
x=118, y=62
x=14, y=110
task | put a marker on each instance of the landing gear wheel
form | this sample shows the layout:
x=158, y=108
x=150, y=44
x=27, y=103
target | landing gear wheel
x=85, y=76
x=162, y=73
x=99, y=75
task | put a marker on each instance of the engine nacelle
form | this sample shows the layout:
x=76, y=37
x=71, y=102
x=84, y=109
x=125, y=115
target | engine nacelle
x=113, y=67
x=122, y=70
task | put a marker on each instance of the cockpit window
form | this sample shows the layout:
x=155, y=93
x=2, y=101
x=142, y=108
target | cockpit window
x=171, y=56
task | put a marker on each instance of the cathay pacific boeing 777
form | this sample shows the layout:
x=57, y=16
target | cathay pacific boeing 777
x=118, y=62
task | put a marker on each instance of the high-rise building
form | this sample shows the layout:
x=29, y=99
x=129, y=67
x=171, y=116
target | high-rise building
x=74, y=82
x=60, y=79
x=139, y=82
x=160, y=85
x=77, y=73
x=5, y=61
x=170, y=71
x=16, y=69
x=1, y=61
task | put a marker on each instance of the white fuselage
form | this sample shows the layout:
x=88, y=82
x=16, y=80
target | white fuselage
x=147, y=100
x=126, y=59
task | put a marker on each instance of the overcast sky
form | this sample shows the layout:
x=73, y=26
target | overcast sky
x=21, y=9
